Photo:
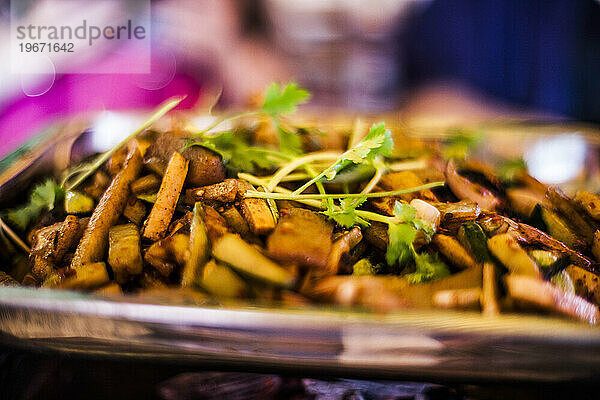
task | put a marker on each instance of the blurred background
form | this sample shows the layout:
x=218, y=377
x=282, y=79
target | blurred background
x=451, y=59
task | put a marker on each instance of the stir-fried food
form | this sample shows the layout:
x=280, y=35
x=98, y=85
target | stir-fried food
x=270, y=211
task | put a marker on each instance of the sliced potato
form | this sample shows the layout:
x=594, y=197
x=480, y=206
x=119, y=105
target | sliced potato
x=506, y=249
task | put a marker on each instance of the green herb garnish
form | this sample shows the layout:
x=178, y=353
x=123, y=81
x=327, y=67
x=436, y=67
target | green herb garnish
x=428, y=267
x=510, y=168
x=378, y=142
x=43, y=198
x=460, y=144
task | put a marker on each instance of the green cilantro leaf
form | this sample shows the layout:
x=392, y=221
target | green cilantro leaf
x=278, y=101
x=400, y=248
x=428, y=268
x=378, y=142
x=236, y=153
x=289, y=142
x=364, y=267
x=345, y=215
x=42, y=198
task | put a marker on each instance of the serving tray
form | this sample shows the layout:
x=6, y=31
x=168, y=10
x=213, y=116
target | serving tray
x=408, y=344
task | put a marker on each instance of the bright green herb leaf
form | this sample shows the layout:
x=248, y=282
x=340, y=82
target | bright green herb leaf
x=289, y=142
x=278, y=101
x=42, y=198
x=364, y=267
x=345, y=215
x=428, y=268
x=400, y=248
x=510, y=168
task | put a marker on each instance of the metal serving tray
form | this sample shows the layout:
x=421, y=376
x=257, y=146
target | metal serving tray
x=414, y=344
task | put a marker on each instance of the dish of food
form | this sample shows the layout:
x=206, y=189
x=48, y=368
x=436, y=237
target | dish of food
x=267, y=211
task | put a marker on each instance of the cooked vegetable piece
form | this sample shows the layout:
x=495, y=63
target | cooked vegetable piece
x=427, y=212
x=453, y=251
x=573, y=216
x=167, y=253
x=587, y=284
x=86, y=276
x=549, y=297
x=117, y=161
x=205, y=167
x=552, y=223
x=464, y=189
x=405, y=180
x=256, y=211
x=30, y=280
x=223, y=192
x=246, y=259
x=340, y=248
x=364, y=267
x=42, y=268
x=489, y=290
x=238, y=224
x=97, y=186
x=78, y=203
x=301, y=237
x=7, y=280
x=471, y=237
x=109, y=290
x=216, y=226
x=596, y=246
x=199, y=248
x=160, y=216
x=135, y=210
x=124, y=253
x=221, y=281
x=523, y=200
x=151, y=280
x=506, y=249
x=457, y=298
x=550, y=262
x=92, y=246
x=590, y=203
x=563, y=281
x=145, y=184
x=455, y=214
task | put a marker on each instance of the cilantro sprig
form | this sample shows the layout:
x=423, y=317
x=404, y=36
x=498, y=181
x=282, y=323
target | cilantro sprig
x=278, y=101
x=378, y=142
x=44, y=197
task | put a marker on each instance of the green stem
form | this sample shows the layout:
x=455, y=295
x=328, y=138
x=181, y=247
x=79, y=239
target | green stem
x=296, y=163
x=407, y=165
x=380, y=169
x=14, y=237
x=261, y=182
x=165, y=108
x=296, y=197
x=226, y=119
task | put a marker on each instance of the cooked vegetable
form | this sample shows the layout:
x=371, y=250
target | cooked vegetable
x=199, y=249
x=457, y=298
x=523, y=201
x=464, y=189
x=549, y=297
x=590, y=203
x=340, y=248
x=550, y=222
x=301, y=237
x=92, y=246
x=471, y=237
x=256, y=211
x=573, y=216
x=221, y=281
x=86, y=276
x=563, y=281
x=166, y=254
x=78, y=203
x=453, y=251
x=244, y=258
x=550, y=262
x=489, y=291
x=7, y=280
x=224, y=192
x=586, y=283
x=124, y=253
x=506, y=249
x=135, y=210
x=160, y=216
x=145, y=184
x=364, y=267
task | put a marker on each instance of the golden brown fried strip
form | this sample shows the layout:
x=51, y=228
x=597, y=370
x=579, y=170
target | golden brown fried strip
x=158, y=221
x=92, y=246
